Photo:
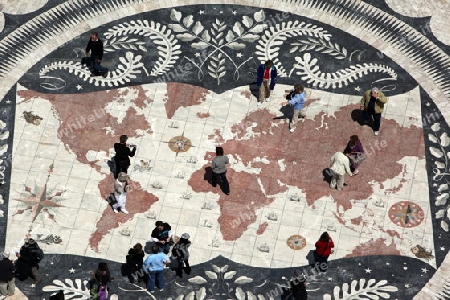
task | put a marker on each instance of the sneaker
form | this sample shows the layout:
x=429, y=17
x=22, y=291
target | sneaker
x=116, y=211
x=258, y=104
x=267, y=99
x=125, y=211
x=292, y=129
x=105, y=74
x=161, y=290
x=376, y=132
x=356, y=172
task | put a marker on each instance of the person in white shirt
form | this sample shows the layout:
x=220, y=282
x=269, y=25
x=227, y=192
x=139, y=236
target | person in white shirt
x=120, y=192
x=339, y=165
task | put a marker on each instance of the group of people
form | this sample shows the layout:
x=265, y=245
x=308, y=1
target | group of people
x=151, y=270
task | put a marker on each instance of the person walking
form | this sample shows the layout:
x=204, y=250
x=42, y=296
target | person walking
x=95, y=49
x=162, y=236
x=123, y=154
x=339, y=165
x=121, y=186
x=356, y=153
x=7, y=275
x=134, y=262
x=372, y=103
x=180, y=252
x=266, y=78
x=297, y=99
x=323, y=251
x=154, y=267
x=220, y=170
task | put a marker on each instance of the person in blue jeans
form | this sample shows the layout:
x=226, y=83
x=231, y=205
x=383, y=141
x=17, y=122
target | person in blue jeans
x=95, y=48
x=154, y=267
x=297, y=99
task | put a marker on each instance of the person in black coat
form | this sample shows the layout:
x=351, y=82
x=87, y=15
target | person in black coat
x=7, y=273
x=180, y=252
x=123, y=154
x=27, y=264
x=135, y=260
x=95, y=49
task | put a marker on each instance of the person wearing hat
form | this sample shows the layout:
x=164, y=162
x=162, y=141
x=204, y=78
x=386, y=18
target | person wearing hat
x=372, y=103
x=123, y=154
x=7, y=273
x=120, y=192
x=180, y=254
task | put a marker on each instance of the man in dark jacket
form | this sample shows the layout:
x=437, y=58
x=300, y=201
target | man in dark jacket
x=162, y=236
x=95, y=48
x=7, y=270
x=28, y=259
x=123, y=154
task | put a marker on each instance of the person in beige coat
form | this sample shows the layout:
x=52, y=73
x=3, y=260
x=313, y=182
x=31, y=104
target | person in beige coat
x=121, y=186
x=339, y=165
x=373, y=103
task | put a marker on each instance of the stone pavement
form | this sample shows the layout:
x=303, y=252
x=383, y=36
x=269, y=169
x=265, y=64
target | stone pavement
x=181, y=81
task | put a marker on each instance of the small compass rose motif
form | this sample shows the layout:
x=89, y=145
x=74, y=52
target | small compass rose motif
x=39, y=201
x=406, y=214
x=180, y=144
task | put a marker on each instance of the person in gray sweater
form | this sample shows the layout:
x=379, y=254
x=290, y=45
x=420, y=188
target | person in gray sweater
x=220, y=170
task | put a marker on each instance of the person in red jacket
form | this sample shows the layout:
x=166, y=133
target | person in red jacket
x=323, y=251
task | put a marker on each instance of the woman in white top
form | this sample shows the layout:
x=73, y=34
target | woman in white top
x=120, y=192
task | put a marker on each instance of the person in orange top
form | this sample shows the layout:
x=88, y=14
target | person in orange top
x=323, y=251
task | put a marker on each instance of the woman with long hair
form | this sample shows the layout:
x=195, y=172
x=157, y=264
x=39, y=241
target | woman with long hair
x=323, y=251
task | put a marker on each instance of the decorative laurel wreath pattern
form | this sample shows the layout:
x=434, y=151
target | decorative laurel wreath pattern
x=362, y=290
x=441, y=141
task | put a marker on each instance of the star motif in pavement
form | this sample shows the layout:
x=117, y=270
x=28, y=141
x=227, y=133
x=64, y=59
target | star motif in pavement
x=357, y=89
x=40, y=201
x=387, y=264
x=197, y=54
x=221, y=11
x=201, y=12
x=72, y=270
x=427, y=104
x=424, y=270
x=234, y=12
x=8, y=101
x=239, y=55
x=368, y=270
x=407, y=285
x=443, y=248
x=79, y=87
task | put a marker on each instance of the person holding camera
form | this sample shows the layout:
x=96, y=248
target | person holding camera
x=123, y=154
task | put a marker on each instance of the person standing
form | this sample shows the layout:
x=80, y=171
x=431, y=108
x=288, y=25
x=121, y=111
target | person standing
x=95, y=49
x=162, y=236
x=120, y=193
x=134, y=262
x=98, y=283
x=297, y=99
x=123, y=154
x=266, y=78
x=180, y=252
x=356, y=153
x=7, y=273
x=154, y=267
x=323, y=251
x=339, y=165
x=297, y=286
x=220, y=170
x=372, y=103
x=28, y=260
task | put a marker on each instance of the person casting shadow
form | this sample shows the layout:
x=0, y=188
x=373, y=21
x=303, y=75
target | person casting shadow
x=220, y=171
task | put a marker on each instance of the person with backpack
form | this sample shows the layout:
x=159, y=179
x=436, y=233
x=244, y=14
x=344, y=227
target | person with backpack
x=180, y=253
x=28, y=260
x=98, y=283
x=7, y=274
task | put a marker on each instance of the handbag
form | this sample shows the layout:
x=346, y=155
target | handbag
x=111, y=199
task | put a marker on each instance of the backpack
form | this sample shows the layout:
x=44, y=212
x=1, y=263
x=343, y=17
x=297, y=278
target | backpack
x=37, y=254
x=102, y=293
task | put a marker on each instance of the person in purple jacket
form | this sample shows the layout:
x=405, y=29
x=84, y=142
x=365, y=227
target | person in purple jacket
x=266, y=78
x=356, y=153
